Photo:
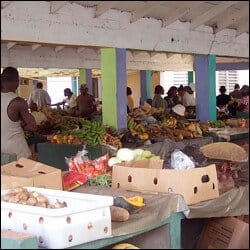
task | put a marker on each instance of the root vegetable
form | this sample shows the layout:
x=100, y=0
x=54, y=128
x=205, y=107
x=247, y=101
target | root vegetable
x=13, y=199
x=22, y=195
x=119, y=214
x=41, y=204
x=41, y=199
x=6, y=197
x=19, y=190
x=32, y=201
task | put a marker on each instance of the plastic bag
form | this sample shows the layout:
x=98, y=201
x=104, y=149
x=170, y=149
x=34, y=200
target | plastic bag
x=179, y=160
x=83, y=165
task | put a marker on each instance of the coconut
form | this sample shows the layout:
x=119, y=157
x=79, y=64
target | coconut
x=225, y=151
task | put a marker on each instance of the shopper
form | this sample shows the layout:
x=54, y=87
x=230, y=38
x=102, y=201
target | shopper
x=85, y=103
x=158, y=101
x=188, y=97
x=15, y=116
x=130, y=100
x=39, y=96
x=69, y=103
x=243, y=106
x=223, y=99
x=236, y=94
x=181, y=92
x=172, y=98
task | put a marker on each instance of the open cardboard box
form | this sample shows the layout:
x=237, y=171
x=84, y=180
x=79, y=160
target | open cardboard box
x=225, y=233
x=25, y=172
x=198, y=184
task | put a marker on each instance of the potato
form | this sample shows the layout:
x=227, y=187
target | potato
x=22, y=195
x=41, y=204
x=119, y=214
x=41, y=199
x=32, y=201
x=6, y=197
x=13, y=199
x=19, y=190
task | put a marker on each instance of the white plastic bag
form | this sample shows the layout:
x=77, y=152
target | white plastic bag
x=180, y=160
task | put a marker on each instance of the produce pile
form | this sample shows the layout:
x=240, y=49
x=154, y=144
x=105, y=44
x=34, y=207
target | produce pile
x=23, y=196
x=167, y=128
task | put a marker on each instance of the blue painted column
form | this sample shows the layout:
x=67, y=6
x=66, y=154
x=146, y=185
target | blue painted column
x=205, y=87
x=114, y=83
x=86, y=78
x=146, y=85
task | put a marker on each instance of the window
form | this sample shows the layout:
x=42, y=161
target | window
x=230, y=78
x=173, y=78
x=56, y=86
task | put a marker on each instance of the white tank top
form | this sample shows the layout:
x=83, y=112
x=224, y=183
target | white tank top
x=12, y=134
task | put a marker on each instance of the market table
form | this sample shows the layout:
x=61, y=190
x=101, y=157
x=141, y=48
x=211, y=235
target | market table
x=160, y=210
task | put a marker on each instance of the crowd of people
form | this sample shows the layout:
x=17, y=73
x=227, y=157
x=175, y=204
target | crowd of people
x=234, y=104
x=19, y=115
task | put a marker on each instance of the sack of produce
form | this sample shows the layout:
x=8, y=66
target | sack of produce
x=225, y=151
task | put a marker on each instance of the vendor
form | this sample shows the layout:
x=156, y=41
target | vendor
x=130, y=100
x=172, y=97
x=178, y=111
x=15, y=116
x=158, y=101
x=85, y=103
x=69, y=103
x=38, y=115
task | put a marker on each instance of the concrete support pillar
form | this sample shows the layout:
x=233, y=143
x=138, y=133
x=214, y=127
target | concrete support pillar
x=114, y=83
x=86, y=78
x=190, y=77
x=205, y=87
x=146, y=85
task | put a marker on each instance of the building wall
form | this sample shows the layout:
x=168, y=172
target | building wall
x=133, y=81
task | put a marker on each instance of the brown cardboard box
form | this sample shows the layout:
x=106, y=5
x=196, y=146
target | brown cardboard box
x=25, y=172
x=195, y=185
x=225, y=233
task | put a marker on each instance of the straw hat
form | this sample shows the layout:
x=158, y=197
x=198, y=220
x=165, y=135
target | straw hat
x=225, y=151
x=179, y=109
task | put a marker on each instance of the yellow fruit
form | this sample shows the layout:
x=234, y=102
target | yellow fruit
x=125, y=246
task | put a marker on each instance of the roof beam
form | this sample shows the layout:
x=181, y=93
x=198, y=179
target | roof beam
x=210, y=14
x=35, y=47
x=79, y=50
x=169, y=55
x=55, y=6
x=10, y=45
x=136, y=15
x=59, y=48
x=243, y=26
x=175, y=15
x=103, y=7
x=4, y=4
x=184, y=56
x=230, y=19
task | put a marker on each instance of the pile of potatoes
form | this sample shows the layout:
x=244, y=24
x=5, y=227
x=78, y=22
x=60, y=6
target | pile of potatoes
x=23, y=196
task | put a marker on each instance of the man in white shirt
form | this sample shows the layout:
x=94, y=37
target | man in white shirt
x=39, y=96
x=188, y=97
x=69, y=103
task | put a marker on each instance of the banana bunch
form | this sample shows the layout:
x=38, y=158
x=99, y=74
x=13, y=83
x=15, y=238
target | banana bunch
x=170, y=122
x=92, y=132
x=131, y=123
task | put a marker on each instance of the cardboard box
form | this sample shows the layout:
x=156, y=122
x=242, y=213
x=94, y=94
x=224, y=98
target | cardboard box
x=25, y=172
x=198, y=184
x=225, y=233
